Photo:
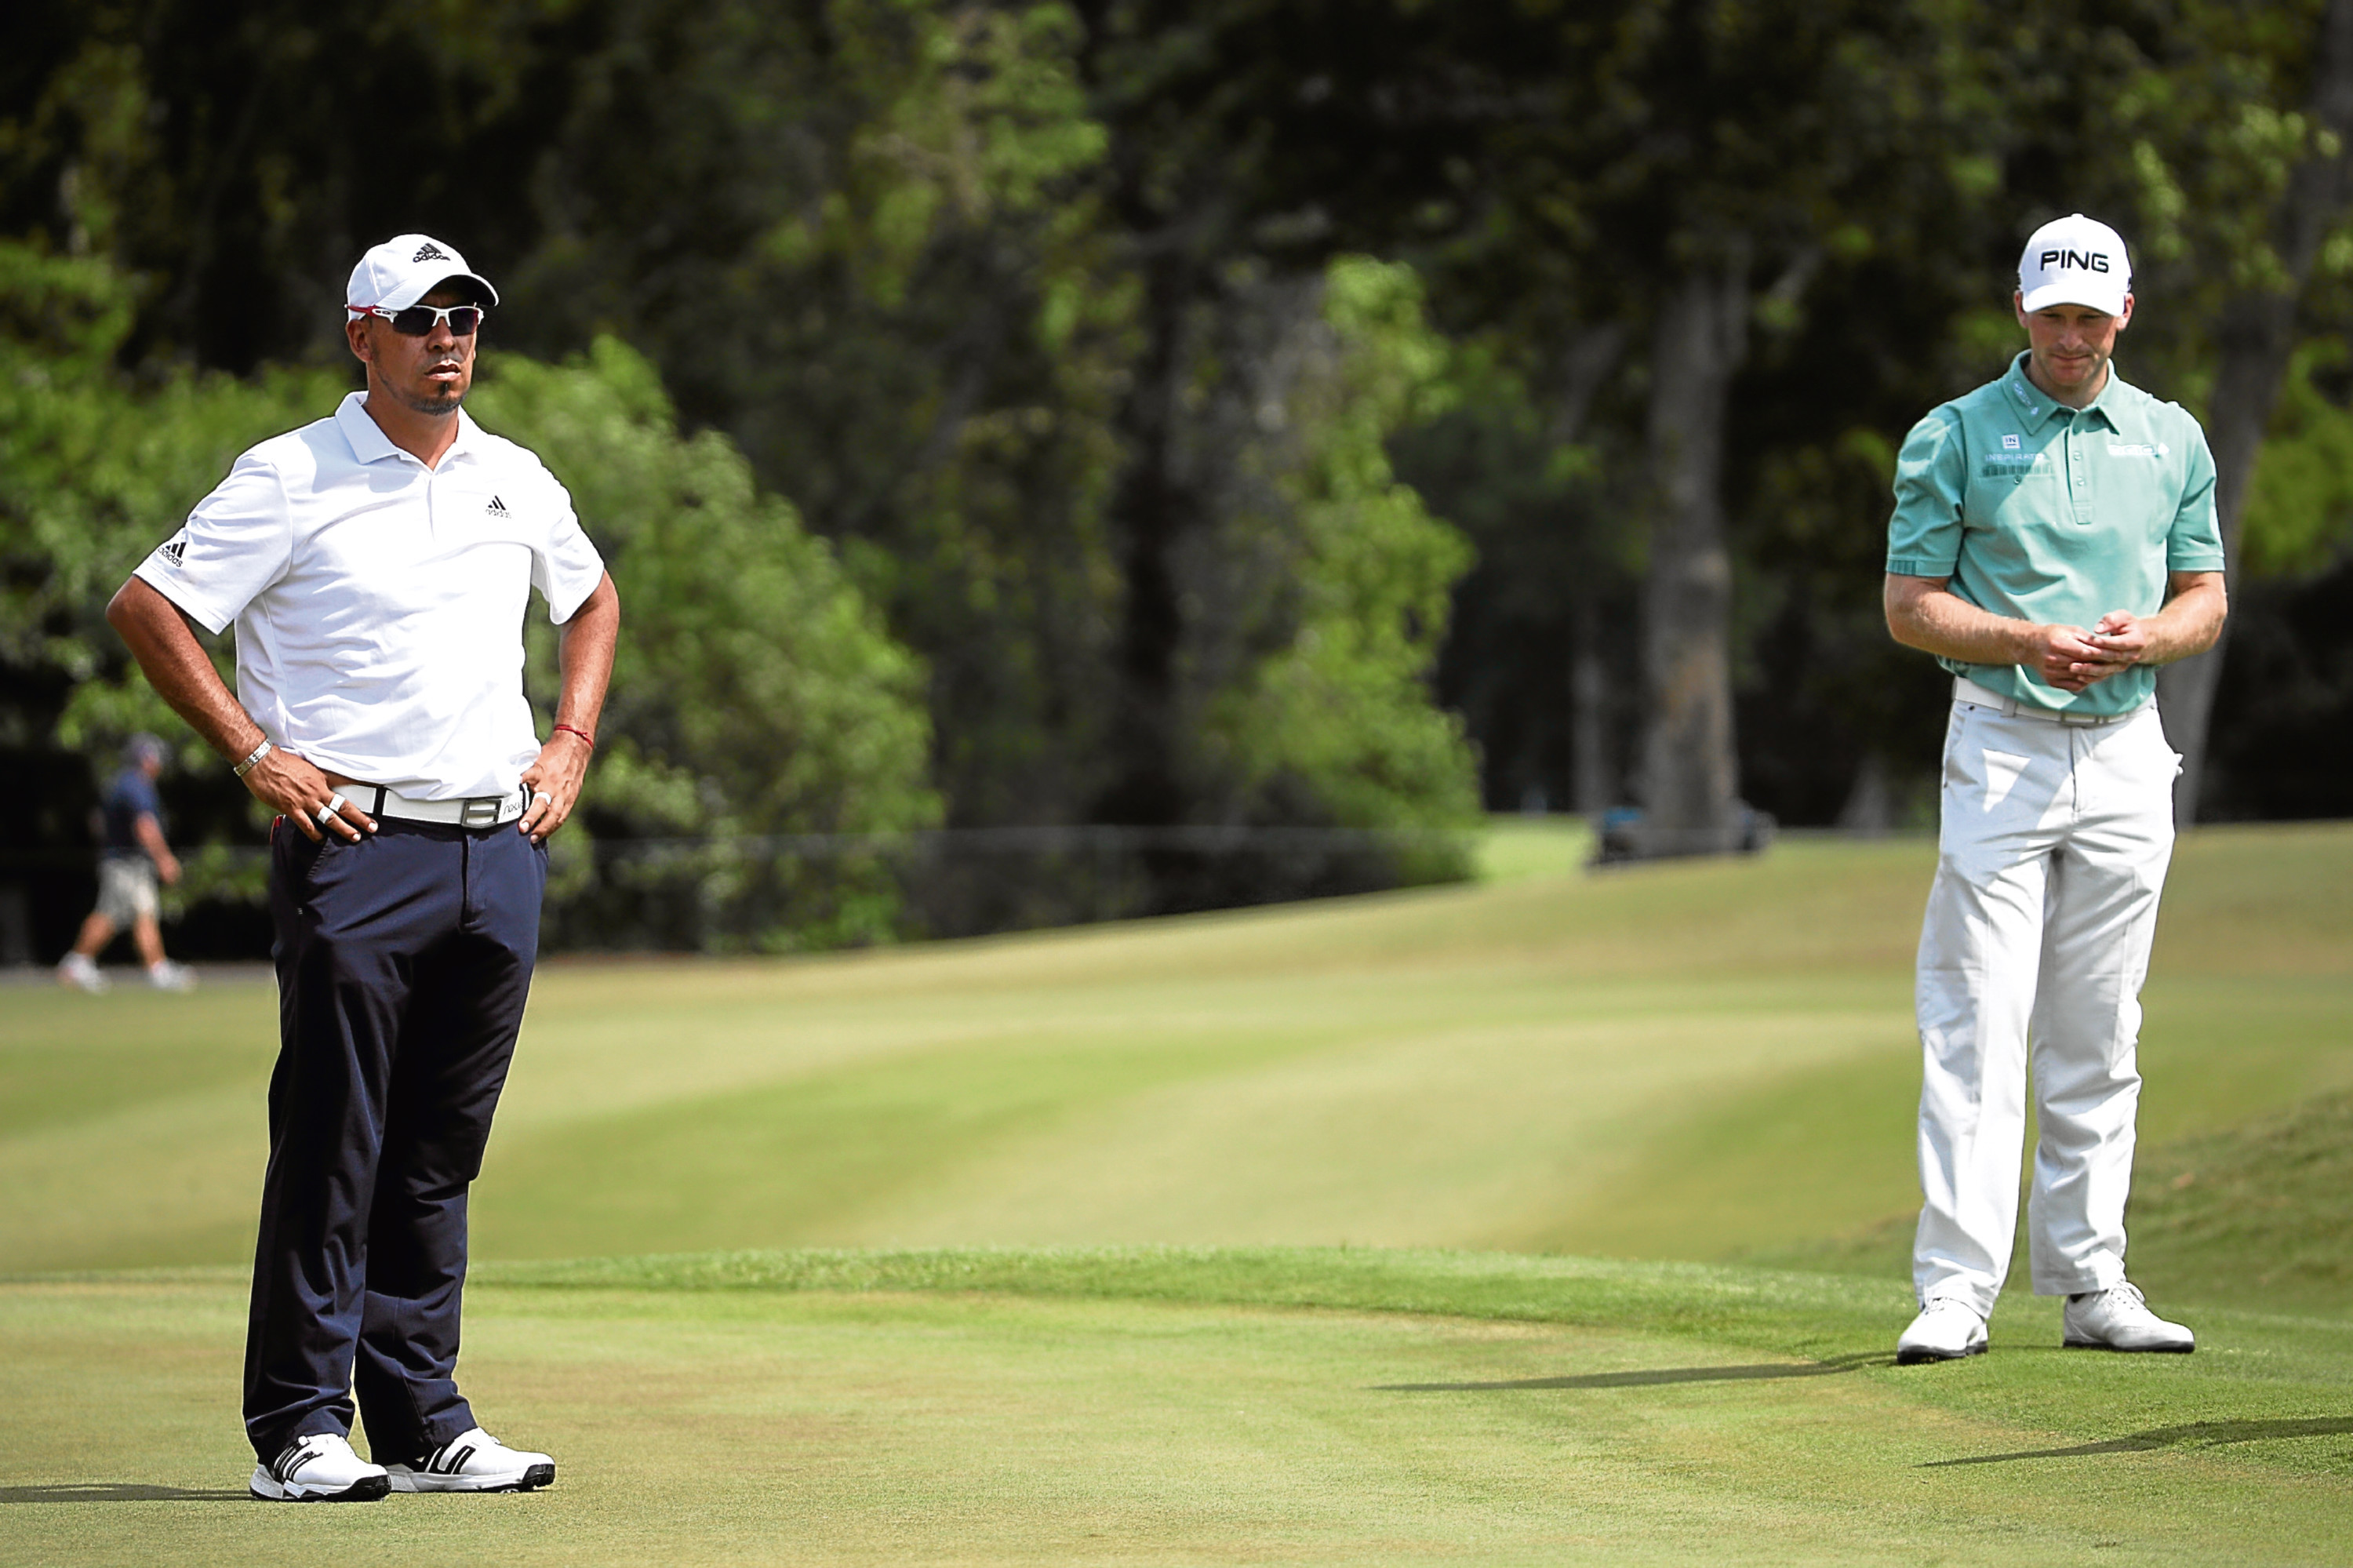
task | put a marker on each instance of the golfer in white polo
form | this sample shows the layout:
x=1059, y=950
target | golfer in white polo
x=377, y=565
x=2053, y=540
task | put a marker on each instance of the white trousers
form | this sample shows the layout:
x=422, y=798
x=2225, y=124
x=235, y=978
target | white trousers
x=2053, y=849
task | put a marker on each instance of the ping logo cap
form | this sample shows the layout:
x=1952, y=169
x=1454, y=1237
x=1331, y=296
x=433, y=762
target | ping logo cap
x=404, y=270
x=2075, y=261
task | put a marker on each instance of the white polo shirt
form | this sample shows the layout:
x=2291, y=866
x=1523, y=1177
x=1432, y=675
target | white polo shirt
x=379, y=603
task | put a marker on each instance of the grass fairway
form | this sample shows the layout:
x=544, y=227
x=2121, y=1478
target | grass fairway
x=1710, y=1062
x=1274, y=1405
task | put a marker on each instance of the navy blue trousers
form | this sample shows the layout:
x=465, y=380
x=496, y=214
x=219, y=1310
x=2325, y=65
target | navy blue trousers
x=403, y=964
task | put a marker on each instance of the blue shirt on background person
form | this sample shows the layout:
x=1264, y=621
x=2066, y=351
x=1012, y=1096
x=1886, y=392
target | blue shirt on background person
x=130, y=796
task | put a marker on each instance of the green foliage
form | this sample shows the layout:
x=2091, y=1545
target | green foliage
x=96, y=470
x=755, y=690
x=862, y=239
x=2300, y=511
x=1342, y=707
x=2214, y=124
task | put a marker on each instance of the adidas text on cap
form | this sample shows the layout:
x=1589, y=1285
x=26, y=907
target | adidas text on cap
x=2075, y=260
x=402, y=271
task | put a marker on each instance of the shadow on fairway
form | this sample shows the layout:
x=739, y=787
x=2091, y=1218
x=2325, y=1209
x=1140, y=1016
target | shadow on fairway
x=1654, y=1379
x=116, y=1491
x=2196, y=1435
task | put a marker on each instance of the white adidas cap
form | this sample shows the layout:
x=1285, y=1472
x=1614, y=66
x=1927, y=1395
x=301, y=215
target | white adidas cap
x=2075, y=261
x=402, y=271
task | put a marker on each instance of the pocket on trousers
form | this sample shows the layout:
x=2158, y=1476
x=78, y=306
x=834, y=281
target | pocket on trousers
x=1984, y=776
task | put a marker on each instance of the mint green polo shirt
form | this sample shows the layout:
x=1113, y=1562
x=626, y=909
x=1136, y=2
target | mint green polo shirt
x=2055, y=514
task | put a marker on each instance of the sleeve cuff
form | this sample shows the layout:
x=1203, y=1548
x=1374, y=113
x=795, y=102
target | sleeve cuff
x=562, y=606
x=204, y=615
x=2202, y=562
x=1918, y=567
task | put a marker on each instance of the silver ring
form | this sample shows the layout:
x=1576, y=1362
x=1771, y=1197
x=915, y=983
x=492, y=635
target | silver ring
x=541, y=795
x=334, y=805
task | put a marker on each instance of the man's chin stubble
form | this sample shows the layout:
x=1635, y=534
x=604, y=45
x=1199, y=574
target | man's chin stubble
x=431, y=407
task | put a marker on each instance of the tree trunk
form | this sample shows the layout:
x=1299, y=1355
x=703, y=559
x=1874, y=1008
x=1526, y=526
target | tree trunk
x=1596, y=780
x=1591, y=356
x=1690, y=772
x=2258, y=333
x=1156, y=510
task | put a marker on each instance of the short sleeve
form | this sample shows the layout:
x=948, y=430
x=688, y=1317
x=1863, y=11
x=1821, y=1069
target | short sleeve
x=235, y=543
x=2194, y=543
x=1924, y=536
x=565, y=568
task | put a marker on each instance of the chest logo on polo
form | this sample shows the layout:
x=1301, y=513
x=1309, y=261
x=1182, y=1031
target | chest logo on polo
x=2013, y=464
x=497, y=508
x=2137, y=449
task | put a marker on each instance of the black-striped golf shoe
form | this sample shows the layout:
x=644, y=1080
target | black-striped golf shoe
x=473, y=1462
x=319, y=1467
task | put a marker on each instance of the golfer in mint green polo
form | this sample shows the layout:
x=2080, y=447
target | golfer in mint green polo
x=2053, y=540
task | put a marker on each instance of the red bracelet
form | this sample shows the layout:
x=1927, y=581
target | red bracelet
x=582, y=734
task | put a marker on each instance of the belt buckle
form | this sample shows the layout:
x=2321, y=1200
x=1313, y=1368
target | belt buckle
x=481, y=812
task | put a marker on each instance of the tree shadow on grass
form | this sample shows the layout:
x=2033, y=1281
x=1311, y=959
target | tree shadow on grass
x=1656, y=1377
x=2195, y=1435
x=118, y=1491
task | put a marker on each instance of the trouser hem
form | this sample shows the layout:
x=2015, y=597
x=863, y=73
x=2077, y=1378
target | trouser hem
x=317, y=1424
x=1977, y=1300
x=2080, y=1283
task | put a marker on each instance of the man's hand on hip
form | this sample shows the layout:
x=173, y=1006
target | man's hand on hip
x=554, y=781
x=286, y=781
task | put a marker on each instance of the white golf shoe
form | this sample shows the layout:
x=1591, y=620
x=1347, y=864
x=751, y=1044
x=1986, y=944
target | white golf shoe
x=1946, y=1330
x=82, y=973
x=473, y=1462
x=320, y=1467
x=169, y=976
x=2118, y=1319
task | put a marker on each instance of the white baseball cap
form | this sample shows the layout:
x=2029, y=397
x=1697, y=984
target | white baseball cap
x=402, y=271
x=2075, y=261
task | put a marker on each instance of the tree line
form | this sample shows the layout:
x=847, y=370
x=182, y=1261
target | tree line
x=1307, y=414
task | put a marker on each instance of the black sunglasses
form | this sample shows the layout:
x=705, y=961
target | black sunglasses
x=418, y=320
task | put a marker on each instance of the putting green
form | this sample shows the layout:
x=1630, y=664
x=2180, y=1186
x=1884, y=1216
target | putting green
x=1204, y=1407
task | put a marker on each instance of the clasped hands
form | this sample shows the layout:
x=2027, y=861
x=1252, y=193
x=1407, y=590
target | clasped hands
x=2072, y=659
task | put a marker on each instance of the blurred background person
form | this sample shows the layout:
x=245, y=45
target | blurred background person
x=132, y=854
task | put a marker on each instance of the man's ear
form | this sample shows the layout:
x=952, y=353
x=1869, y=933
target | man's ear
x=2124, y=317
x=355, y=335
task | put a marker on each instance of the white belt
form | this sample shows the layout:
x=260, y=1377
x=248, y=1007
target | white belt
x=1967, y=690
x=479, y=811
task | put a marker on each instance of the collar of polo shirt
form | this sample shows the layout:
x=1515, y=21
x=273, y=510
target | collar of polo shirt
x=2038, y=405
x=369, y=444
